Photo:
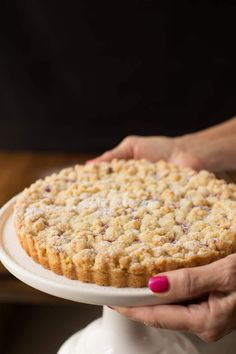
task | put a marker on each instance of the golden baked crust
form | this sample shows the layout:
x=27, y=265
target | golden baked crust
x=119, y=223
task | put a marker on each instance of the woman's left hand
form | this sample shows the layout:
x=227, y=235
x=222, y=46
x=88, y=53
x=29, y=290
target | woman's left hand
x=210, y=318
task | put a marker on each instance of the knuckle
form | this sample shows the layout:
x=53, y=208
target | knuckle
x=150, y=323
x=156, y=324
x=195, y=326
x=106, y=153
x=211, y=336
x=229, y=272
x=150, y=319
x=197, y=323
x=130, y=139
x=189, y=282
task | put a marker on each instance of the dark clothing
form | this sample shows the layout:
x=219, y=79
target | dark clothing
x=82, y=75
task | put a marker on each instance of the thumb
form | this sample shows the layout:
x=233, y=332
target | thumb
x=187, y=283
x=185, y=159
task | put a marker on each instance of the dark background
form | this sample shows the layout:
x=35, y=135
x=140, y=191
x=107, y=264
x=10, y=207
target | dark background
x=81, y=75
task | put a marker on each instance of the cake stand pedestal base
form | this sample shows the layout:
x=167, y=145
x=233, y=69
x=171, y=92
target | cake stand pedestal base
x=116, y=334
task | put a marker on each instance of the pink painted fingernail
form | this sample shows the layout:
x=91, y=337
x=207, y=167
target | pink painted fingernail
x=159, y=284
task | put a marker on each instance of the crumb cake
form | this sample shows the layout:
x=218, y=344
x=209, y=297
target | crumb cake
x=121, y=222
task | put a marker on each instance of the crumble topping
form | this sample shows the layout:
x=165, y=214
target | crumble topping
x=131, y=215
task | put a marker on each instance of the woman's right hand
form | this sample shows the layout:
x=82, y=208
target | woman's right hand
x=153, y=148
x=213, y=149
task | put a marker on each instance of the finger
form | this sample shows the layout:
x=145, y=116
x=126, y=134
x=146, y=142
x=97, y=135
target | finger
x=174, y=317
x=122, y=151
x=116, y=153
x=125, y=150
x=188, y=283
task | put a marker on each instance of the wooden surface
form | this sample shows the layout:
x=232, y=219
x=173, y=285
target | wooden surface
x=17, y=171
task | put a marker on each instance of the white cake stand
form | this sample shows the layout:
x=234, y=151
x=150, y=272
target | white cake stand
x=111, y=334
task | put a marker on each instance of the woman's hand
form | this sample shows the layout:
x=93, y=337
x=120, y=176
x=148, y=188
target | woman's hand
x=152, y=148
x=213, y=149
x=214, y=315
x=210, y=318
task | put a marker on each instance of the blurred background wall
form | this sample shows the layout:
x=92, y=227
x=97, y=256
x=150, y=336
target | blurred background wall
x=82, y=75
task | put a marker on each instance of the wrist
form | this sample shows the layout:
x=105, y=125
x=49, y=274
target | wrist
x=197, y=146
x=213, y=148
x=211, y=153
